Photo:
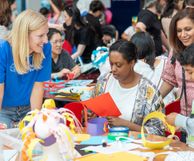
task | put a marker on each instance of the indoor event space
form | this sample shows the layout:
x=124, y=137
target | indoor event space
x=96, y=80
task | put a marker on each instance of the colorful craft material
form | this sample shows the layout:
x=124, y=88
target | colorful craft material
x=157, y=144
x=47, y=129
x=119, y=129
x=102, y=105
x=96, y=126
x=52, y=86
x=99, y=56
x=115, y=135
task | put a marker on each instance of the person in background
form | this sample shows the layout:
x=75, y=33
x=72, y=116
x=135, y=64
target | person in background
x=148, y=21
x=14, y=11
x=62, y=63
x=25, y=58
x=169, y=11
x=134, y=95
x=148, y=64
x=79, y=34
x=5, y=18
x=130, y=31
x=92, y=18
x=109, y=35
x=187, y=61
x=52, y=13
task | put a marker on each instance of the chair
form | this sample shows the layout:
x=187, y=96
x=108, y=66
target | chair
x=173, y=107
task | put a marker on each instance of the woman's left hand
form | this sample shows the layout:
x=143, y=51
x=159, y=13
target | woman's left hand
x=116, y=121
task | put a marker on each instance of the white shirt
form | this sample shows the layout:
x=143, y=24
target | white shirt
x=154, y=75
x=124, y=98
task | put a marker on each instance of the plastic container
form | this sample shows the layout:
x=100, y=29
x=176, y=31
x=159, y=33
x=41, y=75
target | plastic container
x=96, y=126
x=119, y=129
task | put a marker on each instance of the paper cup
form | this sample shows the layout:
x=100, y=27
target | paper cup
x=96, y=126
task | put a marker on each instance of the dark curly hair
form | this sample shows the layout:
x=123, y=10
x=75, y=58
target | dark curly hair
x=187, y=56
x=5, y=13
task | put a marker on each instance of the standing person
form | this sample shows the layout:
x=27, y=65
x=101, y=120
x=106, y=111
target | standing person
x=79, y=34
x=134, y=95
x=169, y=11
x=25, y=63
x=148, y=21
x=92, y=18
x=5, y=18
x=62, y=63
x=181, y=36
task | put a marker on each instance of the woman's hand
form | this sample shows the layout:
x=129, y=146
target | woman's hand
x=63, y=73
x=116, y=121
x=91, y=115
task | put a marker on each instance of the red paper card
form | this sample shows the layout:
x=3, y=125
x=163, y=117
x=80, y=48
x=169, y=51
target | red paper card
x=102, y=105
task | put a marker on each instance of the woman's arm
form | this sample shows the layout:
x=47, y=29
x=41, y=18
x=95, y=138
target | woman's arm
x=60, y=74
x=55, y=9
x=37, y=96
x=79, y=52
x=1, y=94
x=140, y=26
x=165, y=89
x=116, y=121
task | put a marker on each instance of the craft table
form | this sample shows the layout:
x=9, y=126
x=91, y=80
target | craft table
x=176, y=145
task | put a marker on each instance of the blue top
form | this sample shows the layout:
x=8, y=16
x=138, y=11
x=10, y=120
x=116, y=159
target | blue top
x=18, y=87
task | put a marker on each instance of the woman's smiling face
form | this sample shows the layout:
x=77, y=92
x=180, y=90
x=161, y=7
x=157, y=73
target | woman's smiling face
x=185, y=31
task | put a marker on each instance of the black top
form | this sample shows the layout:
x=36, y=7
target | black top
x=153, y=27
x=64, y=61
x=85, y=36
x=96, y=26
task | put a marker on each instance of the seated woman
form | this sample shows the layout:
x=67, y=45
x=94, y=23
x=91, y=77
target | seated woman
x=62, y=63
x=134, y=95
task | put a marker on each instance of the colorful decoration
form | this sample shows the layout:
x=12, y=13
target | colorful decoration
x=53, y=86
x=157, y=144
x=99, y=56
x=47, y=130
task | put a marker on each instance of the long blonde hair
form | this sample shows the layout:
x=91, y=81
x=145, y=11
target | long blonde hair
x=24, y=24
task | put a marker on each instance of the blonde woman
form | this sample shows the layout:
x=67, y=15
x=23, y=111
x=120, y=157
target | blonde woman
x=25, y=63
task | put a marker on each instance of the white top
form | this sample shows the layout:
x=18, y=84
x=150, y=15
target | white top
x=154, y=75
x=104, y=68
x=3, y=32
x=124, y=98
x=130, y=31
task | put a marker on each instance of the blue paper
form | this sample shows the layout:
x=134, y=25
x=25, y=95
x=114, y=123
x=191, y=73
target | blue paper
x=96, y=140
x=79, y=82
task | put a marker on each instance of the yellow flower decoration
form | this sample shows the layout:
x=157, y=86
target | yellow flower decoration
x=149, y=93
